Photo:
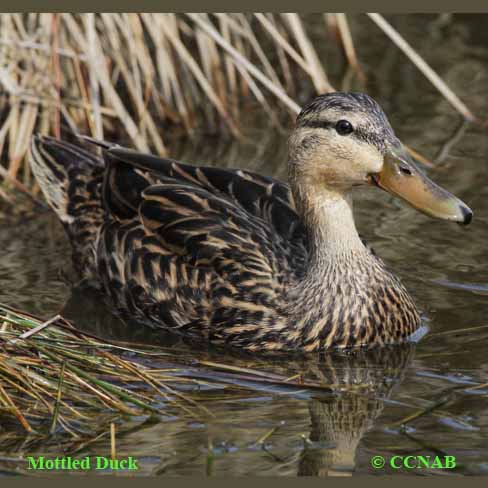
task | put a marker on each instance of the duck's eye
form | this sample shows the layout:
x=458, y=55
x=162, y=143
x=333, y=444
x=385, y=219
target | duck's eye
x=344, y=127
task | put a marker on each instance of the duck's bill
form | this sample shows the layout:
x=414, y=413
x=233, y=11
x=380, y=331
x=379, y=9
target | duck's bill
x=400, y=176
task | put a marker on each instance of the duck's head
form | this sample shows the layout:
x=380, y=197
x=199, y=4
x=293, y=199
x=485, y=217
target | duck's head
x=344, y=140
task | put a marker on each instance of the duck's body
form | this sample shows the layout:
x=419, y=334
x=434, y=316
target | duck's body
x=225, y=255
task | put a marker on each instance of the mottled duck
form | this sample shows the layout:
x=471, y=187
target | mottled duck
x=239, y=259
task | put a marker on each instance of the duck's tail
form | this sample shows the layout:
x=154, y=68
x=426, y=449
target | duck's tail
x=71, y=180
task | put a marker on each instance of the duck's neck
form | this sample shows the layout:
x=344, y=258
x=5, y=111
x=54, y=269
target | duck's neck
x=328, y=218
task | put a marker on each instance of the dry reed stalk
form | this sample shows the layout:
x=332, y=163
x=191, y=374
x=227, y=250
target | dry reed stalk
x=254, y=88
x=284, y=63
x=230, y=69
x=9, y=403
x=239, y=59
x=283, y=43
x=113, y=449
x=57, y=74
x=197, y=72
x=425, y=69
x=93, y=68
x=348, y=44
x=319, y=77
x=212, y=67
x=256, y=47
x=134, y=86
x=165, y=69
x=58, y=400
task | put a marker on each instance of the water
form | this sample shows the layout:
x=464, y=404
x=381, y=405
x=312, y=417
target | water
x=444, y=266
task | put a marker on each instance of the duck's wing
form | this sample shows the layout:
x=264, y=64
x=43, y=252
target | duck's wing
x=258, y=195
x=198, y=245
x=179, y=202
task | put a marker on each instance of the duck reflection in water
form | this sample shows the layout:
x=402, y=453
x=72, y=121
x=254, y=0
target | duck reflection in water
x=365, y=380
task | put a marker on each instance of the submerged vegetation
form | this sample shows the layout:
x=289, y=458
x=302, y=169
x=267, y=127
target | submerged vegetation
x=54, y=377
x=58, y=384
x=134, y=75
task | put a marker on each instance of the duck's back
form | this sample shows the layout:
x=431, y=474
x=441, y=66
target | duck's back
x=195, y=248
